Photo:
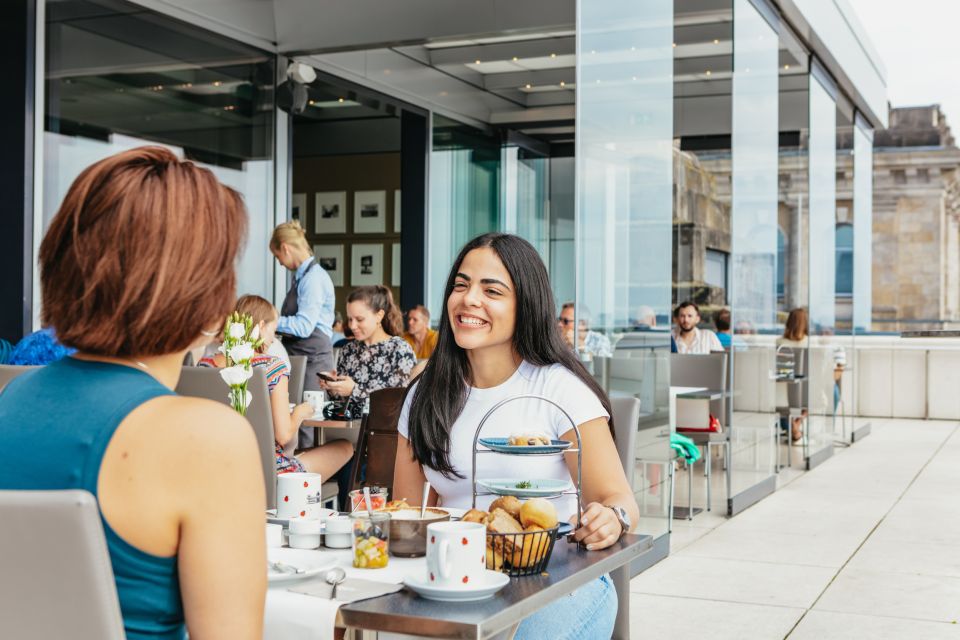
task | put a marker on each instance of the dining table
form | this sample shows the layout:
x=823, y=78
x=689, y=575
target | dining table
x=291, y=614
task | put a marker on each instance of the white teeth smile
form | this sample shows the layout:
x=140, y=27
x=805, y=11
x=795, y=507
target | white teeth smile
x=473, y=322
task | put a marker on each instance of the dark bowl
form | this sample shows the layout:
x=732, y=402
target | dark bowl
x=408, y=537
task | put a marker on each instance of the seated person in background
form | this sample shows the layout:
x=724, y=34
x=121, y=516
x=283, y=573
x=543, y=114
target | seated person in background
x=38, y=348
x=795, y=337
x=419, y=335
x=721, y=319
x=325, y=459
x=589, y=342
x=377, y=357
x=645, y=320
x=338, y=335
x=689, y=338
x=152, y=242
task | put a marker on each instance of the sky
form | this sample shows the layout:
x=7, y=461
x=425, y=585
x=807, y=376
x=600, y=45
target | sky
x=919, y=43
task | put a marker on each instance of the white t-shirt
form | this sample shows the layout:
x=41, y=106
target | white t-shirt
x=704, y=341
x=555, y=382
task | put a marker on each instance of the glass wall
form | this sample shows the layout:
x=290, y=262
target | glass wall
x=119, y=77
x=823, y=167
x=862, y=225
x=623, y=217
x=753, y=288
x=464, y=197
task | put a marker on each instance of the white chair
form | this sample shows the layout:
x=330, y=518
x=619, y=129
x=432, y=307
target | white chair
x=10, y=371
x=56, y=581
x=626, y=418
x=205, y=382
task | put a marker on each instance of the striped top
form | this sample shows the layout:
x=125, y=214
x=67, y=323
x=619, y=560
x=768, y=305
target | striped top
x=273, y=367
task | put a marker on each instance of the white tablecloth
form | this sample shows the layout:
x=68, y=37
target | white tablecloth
x=303, y=617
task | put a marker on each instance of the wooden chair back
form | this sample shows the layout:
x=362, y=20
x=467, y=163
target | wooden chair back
x=377, y=444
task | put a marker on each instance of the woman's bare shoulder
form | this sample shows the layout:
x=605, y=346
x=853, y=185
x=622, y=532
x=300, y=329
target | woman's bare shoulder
x=197, y=421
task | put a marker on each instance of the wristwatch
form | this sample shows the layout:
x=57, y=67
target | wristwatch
x=622, y=516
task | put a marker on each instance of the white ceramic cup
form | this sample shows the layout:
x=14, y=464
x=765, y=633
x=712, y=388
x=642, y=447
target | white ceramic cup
x=293, y=490
x=338, y=532
x=456, y=554
x=305, y=533
x=274, y=535
x=315, y=398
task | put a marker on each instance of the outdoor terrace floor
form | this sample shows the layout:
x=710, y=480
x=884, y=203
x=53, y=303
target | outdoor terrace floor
x=867, y=545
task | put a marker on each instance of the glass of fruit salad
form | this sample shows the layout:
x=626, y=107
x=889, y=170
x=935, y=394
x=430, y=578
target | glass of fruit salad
x=371, y=539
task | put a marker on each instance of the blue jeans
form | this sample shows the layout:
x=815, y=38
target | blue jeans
x=588, y=613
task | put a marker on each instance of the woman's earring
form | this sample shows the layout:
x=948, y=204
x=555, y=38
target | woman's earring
x=210, y=334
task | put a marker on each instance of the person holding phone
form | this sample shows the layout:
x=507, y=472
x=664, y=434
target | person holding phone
x=377, y=358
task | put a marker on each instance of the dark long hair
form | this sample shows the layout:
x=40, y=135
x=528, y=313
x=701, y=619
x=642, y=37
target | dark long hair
x=379, y=298
x=443, y=387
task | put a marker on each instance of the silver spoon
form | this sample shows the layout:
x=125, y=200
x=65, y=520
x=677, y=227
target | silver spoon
x=423, y=502
x=334, y=577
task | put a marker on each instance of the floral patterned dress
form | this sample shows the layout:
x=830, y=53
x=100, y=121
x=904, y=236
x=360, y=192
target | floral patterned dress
x=275, y=370
x=376, y=366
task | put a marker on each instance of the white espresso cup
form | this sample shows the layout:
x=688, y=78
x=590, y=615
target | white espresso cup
x=456, y=554
x=298, y=495
x=315, y=399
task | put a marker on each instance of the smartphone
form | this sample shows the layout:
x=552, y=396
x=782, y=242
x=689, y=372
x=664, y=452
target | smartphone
x=326, y=376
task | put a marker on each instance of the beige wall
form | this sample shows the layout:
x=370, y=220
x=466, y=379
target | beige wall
x=350, y=173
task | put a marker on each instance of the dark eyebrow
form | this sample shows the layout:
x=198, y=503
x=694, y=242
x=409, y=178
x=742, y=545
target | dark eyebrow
x=484, y=280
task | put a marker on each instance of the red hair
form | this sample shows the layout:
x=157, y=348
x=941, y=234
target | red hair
x=141, y=255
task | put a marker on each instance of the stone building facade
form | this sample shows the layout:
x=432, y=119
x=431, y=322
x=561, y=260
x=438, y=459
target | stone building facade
x=916, y=222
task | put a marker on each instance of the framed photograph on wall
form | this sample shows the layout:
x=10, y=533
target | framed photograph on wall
x=330, y=257
x=366, y=264
x=396, y=211
x=330, y=212
x=369, y=212
x=298, y=208
x=395, y=264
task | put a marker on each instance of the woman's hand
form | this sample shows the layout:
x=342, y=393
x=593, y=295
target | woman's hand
x=599, y=527
x=342, y=387
x=301, y=412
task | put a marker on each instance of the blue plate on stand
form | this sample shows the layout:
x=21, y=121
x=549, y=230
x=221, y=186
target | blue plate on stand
x=502, y=445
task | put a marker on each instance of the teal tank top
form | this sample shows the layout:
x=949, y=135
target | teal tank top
x=55, y=424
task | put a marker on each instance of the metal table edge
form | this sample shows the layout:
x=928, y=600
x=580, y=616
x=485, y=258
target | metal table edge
x=506, y=618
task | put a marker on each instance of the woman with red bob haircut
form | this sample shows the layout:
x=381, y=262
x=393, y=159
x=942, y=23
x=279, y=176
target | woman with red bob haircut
x=137, y=267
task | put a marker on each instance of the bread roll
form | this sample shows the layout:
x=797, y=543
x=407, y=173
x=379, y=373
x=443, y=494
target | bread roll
x=539, y=512
x=502, y=522
x=475, y=515
x=494, y=560
x=532, y=550
x=510, y=504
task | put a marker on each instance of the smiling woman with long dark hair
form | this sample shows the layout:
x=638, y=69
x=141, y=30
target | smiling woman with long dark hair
x=497, y=340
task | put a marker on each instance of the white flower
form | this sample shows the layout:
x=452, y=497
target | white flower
x=236, y=374
x=255, y=334
x=237, y=330
x=249, y=399
x=242, y=352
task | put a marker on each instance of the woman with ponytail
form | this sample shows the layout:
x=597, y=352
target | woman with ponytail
x=378, y=357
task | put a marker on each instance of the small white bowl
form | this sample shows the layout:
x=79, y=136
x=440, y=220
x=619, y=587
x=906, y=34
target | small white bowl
x=338, y=532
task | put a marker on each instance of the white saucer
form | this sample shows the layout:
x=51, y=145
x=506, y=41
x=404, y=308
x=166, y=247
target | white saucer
x=493, y=581
x=273, y=519
x=313, y=562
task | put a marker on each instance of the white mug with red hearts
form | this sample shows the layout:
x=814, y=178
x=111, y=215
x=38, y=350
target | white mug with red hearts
x=456, y=554
x=298, y=495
